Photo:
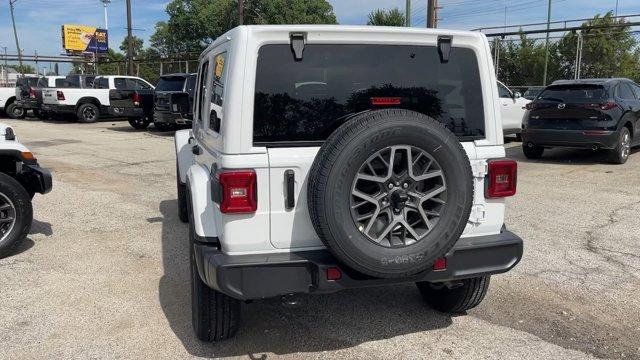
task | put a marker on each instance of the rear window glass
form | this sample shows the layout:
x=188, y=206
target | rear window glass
x=33, y=81
x=306, y=100
x=574, y=93
x=170, y=84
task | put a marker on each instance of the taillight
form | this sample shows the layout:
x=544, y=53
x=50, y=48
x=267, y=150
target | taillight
x=32, y=93
x=237, y=192
x=60, y=95
x=386, y=101
x=608, y=105
x=136, y=99
x=502, y=178
x=530, y=106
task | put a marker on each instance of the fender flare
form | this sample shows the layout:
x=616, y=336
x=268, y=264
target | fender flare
x=199, y=189
x=184, y=156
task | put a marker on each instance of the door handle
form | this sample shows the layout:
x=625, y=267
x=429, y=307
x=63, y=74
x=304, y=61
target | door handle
x=290, y=183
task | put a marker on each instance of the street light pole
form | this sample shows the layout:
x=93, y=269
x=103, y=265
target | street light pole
x=407, y=14
x=106, y=13
x=15, y=35
x=546, y=47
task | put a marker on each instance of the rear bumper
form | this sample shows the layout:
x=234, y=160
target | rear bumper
x=126, y=112
x=170, y=118
x=248, y=277
x=30, y=104
x=581, y=139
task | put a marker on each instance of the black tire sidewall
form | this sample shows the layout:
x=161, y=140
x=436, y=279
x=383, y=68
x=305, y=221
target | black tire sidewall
x=356, y=250
x=139, y=123
x=10, y=111
x=80, y=113
x=24, y=213
x=617, y=155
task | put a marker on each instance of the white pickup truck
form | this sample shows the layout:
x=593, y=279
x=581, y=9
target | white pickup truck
x=8, y=103
x=91, y=101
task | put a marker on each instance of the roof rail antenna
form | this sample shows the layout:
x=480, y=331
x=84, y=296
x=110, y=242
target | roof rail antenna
x=298, y=41
x=444, y=48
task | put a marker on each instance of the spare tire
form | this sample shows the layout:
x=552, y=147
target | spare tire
x=390, y=192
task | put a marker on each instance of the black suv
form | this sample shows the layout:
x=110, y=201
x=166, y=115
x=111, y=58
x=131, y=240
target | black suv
x=586, y=114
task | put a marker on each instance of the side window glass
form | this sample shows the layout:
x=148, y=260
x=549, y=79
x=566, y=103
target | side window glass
x=141, y=85
x=503, y=91
x=201, y=91
x=624, y=92
x=636, y=91
x=219, y=79
x=120, y=83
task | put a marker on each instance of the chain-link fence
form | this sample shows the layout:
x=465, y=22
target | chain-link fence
x=592, y=53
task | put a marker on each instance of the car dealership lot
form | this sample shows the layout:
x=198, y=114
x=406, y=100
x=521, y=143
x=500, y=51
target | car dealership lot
x=104, y=273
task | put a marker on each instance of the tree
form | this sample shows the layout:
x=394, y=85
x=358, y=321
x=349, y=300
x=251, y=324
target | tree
x=23, y=69
x=193, y=24
x=393, y=17
x=138, y=46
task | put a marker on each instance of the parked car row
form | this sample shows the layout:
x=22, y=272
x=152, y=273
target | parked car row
x=90, y=97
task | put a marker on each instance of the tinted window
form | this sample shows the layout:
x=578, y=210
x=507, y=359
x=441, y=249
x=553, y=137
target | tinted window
x=120, y=83
x=43, y=83
x=625, y=92
x=503, y=91
x=174, y=83
x=574, y=93
x=306, y=100
x=219, y=79
x=32, y=81
x=141, y=85
x=636, y=90
x=191, y=84
x=88, y=81
x=72, y=82
x=60, y=83
x=204, y=70
x=101, y=83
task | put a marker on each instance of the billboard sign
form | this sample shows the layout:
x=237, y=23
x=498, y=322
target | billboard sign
x=84, y=39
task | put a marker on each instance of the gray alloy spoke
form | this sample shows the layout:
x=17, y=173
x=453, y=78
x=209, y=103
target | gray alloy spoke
x=6, y=220
x=5, y=207
x=406, y=189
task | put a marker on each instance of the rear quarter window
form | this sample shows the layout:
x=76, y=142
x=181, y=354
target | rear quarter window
x=305, y=101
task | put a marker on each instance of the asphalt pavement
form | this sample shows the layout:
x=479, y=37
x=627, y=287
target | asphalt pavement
x=104, y=272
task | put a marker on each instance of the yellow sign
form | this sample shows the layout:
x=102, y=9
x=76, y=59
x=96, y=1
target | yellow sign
x=219, y=66
x=80, y=38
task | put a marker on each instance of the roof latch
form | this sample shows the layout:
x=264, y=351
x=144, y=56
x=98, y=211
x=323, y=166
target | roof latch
x=297, y=45
x=444, y=48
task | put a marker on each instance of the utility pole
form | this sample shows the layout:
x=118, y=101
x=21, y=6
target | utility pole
x=616, y=8
x=6, y=63
x=15, y=34
x=432, y=18
x=546, y=47
x=106, y=13
x=240, y=12
x=407, y=14
x=129, y=41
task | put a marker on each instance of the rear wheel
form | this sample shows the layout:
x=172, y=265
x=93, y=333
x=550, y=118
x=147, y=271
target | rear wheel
x=215, y=316
x=532, y=151
x=15, y=112
x=88, y=113
x=620, y=154
x=458, y=299
x=139, y=123
x=16, y=214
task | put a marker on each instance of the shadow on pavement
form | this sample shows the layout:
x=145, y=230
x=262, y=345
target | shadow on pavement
x=150, y=129
x=41, y=227
x=318, y=323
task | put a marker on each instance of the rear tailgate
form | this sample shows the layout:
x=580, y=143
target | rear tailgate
x=50, y=96
x=124, y=99
x=568, y=107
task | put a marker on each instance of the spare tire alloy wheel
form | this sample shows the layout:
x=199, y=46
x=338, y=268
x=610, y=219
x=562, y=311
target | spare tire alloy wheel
x=397, y=196
x=390, y=192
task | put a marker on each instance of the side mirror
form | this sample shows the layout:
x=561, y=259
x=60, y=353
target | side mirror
x=517, y=95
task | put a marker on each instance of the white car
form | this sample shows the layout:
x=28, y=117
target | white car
x=20, y=179
x=91, y=100
x=512, y=109
x=325, y=158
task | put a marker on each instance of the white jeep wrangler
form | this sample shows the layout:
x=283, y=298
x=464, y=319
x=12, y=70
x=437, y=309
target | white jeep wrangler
x=325, y=158
x=20, y=179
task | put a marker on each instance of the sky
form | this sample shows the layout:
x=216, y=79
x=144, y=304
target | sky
x=39, y=21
